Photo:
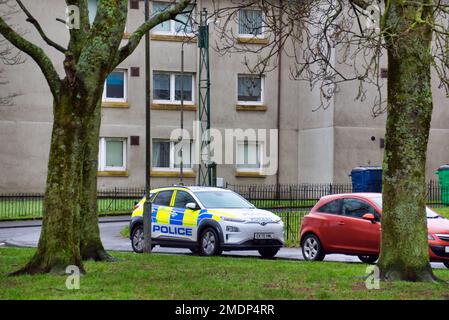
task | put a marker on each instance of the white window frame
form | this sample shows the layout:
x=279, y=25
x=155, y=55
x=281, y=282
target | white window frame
x=102, y=154
x=262, y=89
x=125, y=88
x=172, y=24
x=260, y=155
x=173, y=88
x=172, y=157
x=246, y=35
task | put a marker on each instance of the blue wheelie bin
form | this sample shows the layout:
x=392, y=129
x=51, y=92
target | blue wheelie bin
x=366, y=179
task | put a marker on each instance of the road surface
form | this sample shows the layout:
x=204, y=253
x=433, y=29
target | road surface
x=26, y=234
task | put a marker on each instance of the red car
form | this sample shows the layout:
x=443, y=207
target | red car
x=350, y=224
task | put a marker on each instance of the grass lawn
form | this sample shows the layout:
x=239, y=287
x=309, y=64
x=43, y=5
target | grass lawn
x=443, y=211
x=161, y=276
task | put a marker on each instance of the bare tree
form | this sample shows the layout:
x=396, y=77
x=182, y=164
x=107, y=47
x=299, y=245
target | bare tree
x=8, y=55
x=414, y=35
x=70, y=231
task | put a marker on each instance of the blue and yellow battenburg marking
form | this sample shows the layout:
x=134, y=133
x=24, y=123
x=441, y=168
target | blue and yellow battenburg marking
x=170, y=218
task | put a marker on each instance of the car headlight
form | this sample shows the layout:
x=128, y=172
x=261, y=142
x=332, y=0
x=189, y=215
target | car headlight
x=277, y=220
x=430, y=237
x=229, y=219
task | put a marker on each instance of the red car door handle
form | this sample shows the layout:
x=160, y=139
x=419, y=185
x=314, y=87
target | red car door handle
x=341, y=223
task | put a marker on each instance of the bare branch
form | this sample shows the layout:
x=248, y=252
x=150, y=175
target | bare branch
x=137, y=35
x=361, y=3
x=36, y=53
x=36, y=24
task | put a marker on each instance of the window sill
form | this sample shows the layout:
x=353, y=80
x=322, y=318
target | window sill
x=175, y=107
x=110, y=104
x=112, y=173
x=251, y=107
x=173, y=174
x=173, y=38
x=253, y=40
x=250, y=174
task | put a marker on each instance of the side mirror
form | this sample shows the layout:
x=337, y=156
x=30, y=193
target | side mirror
x=370, y=217
x=192, y=206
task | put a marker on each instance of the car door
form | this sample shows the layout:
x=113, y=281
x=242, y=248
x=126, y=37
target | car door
x=185, y=219
x=161, y=214
x=358, y=235
x=329, y=216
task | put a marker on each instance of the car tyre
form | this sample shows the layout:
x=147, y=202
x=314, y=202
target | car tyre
x=446, y=264
x=369, y=259
x=312, y=249
x=137, y=239
x=209, y=244
x=268, y=253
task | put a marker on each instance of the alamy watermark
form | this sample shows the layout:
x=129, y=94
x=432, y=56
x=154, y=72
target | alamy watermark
x=72, y=282
x=372, y=281
x=252, y=149
x=73, y=17
x=370, y=18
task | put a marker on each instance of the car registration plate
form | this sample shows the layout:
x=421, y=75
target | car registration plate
x=264, y=235
x=446, y=249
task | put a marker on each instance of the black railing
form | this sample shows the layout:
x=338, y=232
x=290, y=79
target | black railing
x=295, y=196
x=291, y=202
x=30, y=206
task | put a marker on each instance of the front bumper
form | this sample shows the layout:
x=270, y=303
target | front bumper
x=438, y=252
x=244, y=238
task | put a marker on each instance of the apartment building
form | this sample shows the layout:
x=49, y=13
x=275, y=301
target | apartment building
x=314, y=146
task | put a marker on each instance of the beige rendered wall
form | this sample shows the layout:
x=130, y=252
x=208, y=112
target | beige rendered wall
x=25, y=128
x=355, y=125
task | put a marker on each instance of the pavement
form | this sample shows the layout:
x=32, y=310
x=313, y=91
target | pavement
x=26, y=234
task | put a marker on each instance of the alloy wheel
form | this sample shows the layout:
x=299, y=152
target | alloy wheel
x=138, y=240
x=311, y=248
x=208, y=243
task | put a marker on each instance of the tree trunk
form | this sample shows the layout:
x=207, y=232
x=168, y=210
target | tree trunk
x=91, y=246
x=60, y=236
x=404, y=249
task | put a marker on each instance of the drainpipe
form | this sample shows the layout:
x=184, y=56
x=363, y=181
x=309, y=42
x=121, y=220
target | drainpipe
x=279, y=101
x=147, y=205
x=181, y=170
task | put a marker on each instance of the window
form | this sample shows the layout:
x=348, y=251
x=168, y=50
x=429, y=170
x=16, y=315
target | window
x=332, y=207
x=249, y=89
x=168, y=87
x=112, y=154
x=250, y=22
x=183, y=198
x=115, y=87
x=249, y=155
x=163, y=198
x=167, y=154
x=356, y=208
x=184, y=24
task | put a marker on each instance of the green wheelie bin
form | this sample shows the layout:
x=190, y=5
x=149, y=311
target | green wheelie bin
x=443, y=177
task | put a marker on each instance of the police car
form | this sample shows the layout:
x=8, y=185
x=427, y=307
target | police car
x=208, y=221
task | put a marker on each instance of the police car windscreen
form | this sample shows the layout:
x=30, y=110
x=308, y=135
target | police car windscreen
x=220, y=199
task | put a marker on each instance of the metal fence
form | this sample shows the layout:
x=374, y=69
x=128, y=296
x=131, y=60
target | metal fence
x=291, y=202
x=30, y=206
x=305, y=195
x=294, y=196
